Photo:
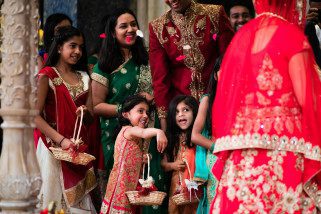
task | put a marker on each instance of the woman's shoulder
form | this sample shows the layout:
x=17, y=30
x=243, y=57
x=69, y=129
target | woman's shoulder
x=100, y=76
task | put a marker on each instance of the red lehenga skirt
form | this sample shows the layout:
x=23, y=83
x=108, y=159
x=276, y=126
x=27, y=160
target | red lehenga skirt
x=262, y=181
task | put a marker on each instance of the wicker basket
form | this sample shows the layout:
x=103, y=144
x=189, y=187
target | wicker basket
x=153, y=198
x=185, y=198
x=64, y=155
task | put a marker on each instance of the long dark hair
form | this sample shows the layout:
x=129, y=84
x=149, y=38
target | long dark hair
x=49, y=29
x=173, y=131
x=110, y=57
x=129, y=103
x=63, y=35
x=212, y=85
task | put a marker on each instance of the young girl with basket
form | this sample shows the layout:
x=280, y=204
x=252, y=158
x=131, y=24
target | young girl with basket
x=180, y=154
x=62, y=92
x=128, y=154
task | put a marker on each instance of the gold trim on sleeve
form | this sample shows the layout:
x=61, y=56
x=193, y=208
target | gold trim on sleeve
x=99, y=78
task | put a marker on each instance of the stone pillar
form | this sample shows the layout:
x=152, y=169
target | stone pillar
x=20, y=179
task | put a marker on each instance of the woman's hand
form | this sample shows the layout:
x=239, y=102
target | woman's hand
x=149, y=97
x=178, y=165
x=161, y=141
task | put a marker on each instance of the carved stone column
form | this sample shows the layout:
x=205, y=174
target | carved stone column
x=20, y=179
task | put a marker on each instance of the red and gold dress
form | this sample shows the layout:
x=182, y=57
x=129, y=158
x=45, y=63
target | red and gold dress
x=183, y=51
x=66, y=183
x=128, y=159
x=266, y=119
x=184, y=154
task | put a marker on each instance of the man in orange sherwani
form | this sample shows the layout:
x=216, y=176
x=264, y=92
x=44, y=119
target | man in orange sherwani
x=184, y=45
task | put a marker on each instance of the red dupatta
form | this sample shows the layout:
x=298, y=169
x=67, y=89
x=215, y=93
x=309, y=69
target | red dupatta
x=254, y=84
x=60, y=112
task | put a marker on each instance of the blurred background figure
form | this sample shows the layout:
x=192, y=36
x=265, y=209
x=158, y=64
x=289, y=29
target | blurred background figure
x=239, y=12
x=312, y=28
x=53, y=22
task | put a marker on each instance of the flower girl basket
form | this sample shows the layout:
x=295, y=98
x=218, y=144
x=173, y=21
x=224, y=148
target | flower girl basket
x=153, y=198
x=186, y=197
x=80, y=158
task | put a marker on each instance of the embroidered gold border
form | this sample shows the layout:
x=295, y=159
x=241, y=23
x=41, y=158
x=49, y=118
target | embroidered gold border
x=313, y=192
x=158, y=27
x=76, y=193
x=99, y=78
x=267, y=141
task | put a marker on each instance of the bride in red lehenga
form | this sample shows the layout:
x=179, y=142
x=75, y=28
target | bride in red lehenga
x=267, y=117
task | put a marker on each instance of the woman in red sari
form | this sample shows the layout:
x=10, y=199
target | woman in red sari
x=62, y=89
x=267, y=116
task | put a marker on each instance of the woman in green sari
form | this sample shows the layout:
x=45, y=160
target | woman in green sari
x=122, y=70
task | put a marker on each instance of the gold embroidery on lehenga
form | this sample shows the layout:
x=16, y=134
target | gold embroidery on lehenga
x=312, y=189
x=269, y=78
x=260, y=187
x=271, y=142
x=75, y=193
x=251, y=119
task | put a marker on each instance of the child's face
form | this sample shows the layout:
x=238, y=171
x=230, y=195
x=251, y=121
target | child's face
x=71, y=51
x=184, y=116
x=138, y=116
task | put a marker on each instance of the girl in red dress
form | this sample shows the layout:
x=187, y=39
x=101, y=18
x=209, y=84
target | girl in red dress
x=180, y=151
x=62, y=88
x=128, y=154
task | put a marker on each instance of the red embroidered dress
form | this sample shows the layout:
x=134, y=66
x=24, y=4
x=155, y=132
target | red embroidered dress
x=187, y=154
x=183, y=51
x=266, y=119
x=128, y=159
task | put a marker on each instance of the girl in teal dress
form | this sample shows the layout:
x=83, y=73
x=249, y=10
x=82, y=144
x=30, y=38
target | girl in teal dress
x=122, y=70
x=201, y=136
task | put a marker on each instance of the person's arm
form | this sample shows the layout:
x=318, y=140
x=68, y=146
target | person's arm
x=147, y=133
x=197, y=137
x=99, y=94
x=160, y=75
x=41, y=124
x=172, y=166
